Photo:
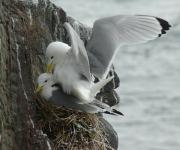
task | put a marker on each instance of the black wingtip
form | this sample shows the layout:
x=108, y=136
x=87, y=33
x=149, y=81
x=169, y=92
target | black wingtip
x=109, y=113
x=164, y=24
x=117, y=112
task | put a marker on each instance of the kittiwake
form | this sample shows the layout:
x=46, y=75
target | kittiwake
x=74, y=66
x=53, y=93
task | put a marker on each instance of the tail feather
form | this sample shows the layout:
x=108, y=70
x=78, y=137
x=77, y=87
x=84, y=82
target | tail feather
x=106, y=108
x=109, y=113
x=99, y=85
x=117, y=112
x=100, y=104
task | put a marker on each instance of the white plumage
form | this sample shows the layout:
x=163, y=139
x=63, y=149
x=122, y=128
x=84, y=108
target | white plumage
x=53, y=93
x=74, y=66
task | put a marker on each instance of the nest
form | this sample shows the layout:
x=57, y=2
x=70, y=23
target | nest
x=69, y=129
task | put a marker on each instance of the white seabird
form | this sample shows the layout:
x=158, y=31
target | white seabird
x=72, y=70
x=73, y=66
x=53, y=93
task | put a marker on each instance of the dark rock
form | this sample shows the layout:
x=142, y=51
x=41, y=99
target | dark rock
x=25, y=31
x=111, y=135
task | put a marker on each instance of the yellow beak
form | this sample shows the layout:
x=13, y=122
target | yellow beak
x=50, y=68
x=39, y=89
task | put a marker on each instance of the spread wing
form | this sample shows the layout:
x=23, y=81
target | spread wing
x=112, y=32
x=78, y=52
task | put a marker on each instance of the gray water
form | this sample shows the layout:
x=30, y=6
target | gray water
x=149, y=73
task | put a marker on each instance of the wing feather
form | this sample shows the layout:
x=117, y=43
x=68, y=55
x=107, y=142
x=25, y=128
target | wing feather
x=78, y=52
x=113, y=32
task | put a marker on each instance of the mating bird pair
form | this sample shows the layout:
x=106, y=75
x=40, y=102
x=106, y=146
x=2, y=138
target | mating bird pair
x=71, y=84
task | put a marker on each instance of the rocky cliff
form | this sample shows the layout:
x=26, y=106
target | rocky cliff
x=26, y=28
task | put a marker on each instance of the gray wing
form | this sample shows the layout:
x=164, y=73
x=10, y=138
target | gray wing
x=112, y=32
x=78, y=52
x=60, y=98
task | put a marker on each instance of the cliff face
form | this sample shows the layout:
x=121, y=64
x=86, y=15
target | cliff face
x=25, y=31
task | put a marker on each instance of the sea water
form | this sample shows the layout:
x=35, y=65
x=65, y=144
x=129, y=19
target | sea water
x=149, y=73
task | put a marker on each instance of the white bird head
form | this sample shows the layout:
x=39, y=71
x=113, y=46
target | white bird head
x=45, y=85
x=56, y=54
x=43, y=80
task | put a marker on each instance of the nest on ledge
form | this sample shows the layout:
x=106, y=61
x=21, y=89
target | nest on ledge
x=70, y=129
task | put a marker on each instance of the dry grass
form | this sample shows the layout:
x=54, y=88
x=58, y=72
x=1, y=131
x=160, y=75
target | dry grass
x=69, y=129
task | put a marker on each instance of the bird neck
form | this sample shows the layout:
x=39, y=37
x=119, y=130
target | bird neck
x=47, y=91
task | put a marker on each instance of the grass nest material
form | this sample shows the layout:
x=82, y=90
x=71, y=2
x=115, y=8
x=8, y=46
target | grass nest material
x=69, y=129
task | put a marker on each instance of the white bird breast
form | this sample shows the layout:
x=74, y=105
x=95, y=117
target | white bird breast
x=67, y=76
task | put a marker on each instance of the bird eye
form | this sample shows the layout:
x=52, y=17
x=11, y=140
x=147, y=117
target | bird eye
x=52, y=57
x=45, y=80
